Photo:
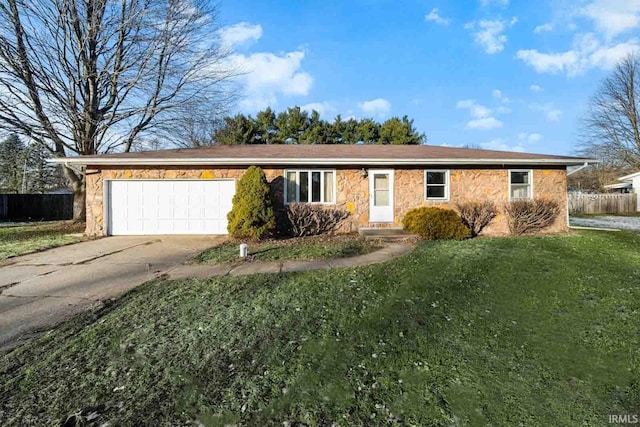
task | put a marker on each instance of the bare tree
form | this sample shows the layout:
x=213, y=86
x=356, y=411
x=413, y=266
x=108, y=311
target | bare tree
x=611, y=126
x=97, y=76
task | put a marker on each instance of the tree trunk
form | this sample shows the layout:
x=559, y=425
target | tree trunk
x=79, y=202
x=77, y=180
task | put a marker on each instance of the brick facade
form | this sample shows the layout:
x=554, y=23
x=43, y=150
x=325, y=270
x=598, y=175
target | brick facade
x=352, y=190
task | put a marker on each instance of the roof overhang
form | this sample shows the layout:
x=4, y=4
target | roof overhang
x=629, y=177
x=140, y=161
x=618, y=186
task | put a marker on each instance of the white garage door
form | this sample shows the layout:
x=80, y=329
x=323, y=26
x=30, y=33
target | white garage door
x=169, y=206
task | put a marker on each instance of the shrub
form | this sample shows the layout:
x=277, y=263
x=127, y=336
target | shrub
x=312, y=220
x=529, y=216
x=433, y=223
x=477, y=215
x=252, y=214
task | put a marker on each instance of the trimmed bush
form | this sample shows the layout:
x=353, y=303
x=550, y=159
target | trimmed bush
x=252, y=215
x=530, y=216
x=477, y=215
x=433, y=223
x=312, y=220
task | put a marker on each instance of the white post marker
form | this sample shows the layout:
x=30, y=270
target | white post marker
x=244, y=249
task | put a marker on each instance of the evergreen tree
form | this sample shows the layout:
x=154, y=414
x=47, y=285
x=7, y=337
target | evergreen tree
x=368, y=131
x=40, y=176
x=397, y=131
x=12, y=158
x=252, y=215
x=266, y=126
x=239, y=129
x=292, y=124
x=296, y=126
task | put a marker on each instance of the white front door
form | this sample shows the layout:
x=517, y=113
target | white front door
x=380, y=195
x=169, y=206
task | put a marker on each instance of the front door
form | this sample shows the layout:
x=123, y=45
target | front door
x=380, y=195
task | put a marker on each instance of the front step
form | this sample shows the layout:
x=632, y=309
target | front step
x=386, y=233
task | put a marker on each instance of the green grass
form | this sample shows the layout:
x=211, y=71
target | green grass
x=296, y=249
x=24, y=239
x=512, y=331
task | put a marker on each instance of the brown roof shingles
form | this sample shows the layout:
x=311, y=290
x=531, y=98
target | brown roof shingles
x=322, y=151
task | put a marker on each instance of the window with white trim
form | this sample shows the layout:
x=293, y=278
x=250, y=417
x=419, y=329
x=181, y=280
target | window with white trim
x=436, y=184
x=310, y=186
x=520, y=184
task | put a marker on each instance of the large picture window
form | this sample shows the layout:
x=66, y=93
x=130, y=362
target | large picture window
x=310, y=186
x=520, y=184
x=436, y=184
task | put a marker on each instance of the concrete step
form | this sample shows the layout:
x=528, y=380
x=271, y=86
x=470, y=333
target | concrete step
x=386, y=234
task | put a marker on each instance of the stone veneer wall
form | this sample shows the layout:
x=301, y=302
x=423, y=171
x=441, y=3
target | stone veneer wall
x=352, y=191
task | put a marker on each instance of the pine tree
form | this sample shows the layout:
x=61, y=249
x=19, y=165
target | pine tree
x=40, y=176
x=12, y=156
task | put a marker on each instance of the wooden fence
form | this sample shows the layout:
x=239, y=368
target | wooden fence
x=602, y=203
x=36, y=207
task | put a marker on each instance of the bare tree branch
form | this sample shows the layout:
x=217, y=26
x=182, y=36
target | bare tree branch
x=610, y=128
x=94, y=76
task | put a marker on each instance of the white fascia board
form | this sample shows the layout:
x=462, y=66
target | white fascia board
x=106, y=161
x=629, y=177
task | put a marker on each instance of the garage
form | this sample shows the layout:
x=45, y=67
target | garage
x=168, y=206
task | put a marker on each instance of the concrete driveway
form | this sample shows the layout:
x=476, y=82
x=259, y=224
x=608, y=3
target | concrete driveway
x=41, y=290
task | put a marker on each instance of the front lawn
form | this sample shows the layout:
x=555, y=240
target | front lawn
x=511, y=331
x=22, y=239
x=298, y=248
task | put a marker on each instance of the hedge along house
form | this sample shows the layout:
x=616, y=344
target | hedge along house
x=189, y=191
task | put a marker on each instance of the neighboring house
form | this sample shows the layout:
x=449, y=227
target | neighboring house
x=628, y=184
x=189, y=191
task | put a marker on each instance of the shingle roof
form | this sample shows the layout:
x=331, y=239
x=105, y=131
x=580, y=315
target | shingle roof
x=323, y=154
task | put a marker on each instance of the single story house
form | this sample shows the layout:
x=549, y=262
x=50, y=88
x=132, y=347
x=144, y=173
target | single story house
x=628, y=184
x=189, y=191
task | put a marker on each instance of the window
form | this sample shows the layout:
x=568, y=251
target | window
x=310, y=186
x=437, y=184
x=520, y=184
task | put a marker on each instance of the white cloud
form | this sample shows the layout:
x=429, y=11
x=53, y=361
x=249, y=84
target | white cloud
x=268, y=75
x=486, y=123
x=544, y=28
x=486, y=3
x=376, y=107
x=530, y=137
x=548, y=62
x=490, y=34
x=240, y=33
x=500, y=145
x=476, y=110
x=535, y=88
x=434, y=16
x=613, y=17
x=482, y=116
x=550, y=112
x=554, y=115
x=497, y=94
x=324, y=108
x=587, y=52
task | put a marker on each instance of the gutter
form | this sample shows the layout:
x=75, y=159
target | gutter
x=106, y=161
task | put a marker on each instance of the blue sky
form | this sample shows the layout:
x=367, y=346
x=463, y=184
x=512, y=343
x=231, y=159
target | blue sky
x=501, y=74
